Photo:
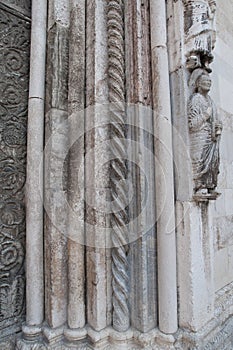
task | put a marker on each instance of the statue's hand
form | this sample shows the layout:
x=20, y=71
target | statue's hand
x=213, y=6
x=206, y=116
x=218, y=128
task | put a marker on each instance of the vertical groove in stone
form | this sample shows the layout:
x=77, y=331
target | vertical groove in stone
x=118, y=170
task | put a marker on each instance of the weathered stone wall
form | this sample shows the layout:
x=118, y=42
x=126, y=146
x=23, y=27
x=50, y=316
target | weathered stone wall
x=222, y=93
x=202, y=271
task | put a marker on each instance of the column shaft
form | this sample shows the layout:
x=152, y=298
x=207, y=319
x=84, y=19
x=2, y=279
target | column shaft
x=34, y=194
x=167, y=285
x=142, y=255
x=76, y=104
x=96, y=167
x=55, y=163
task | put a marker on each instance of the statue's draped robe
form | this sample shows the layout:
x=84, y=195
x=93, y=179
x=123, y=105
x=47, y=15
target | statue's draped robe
x=204, y=145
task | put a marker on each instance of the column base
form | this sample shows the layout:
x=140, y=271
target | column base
x=53, y=335
x=75, y=334
x=217, y=334
x=31, y=333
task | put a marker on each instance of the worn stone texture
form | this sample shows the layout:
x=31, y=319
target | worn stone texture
x=57, y=68
x=58, y=13
x=195, y=264
x=203, y=270
x=76, y=102
x=55, y=166
x=222, y=93
x=98, y=275
x=138, y=88
x=195, y=242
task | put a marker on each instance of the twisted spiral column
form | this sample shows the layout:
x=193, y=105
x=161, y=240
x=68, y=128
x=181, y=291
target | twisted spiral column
x=119, y=217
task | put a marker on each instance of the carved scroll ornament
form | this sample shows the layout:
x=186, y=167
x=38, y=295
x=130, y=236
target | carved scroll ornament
x=14, y=69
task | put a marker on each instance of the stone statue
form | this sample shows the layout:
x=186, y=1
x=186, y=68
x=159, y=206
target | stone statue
x=205, y=130
x=200, y=33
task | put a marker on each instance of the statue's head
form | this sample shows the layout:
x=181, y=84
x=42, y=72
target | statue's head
x=199, y=78
x=203, y=83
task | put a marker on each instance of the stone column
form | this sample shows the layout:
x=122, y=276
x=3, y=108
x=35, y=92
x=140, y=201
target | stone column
x=98, y=277
x=34, y=193
x=56, y=149
x=76, y=105
x=142, y=255
x=118, y=166
x=167, y=287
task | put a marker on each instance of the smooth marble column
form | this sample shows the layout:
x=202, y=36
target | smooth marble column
x=34, y=192
x=164, y=183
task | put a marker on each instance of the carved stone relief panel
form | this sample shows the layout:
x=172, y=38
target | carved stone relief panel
x=21, y=6
x=14, y=69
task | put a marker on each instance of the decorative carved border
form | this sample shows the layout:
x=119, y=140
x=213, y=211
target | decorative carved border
x=14, y=82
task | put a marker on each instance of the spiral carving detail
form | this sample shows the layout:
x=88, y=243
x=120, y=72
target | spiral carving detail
x=119, y=217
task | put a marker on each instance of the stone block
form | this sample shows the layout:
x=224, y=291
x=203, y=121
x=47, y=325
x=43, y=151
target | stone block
x=195, y=266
